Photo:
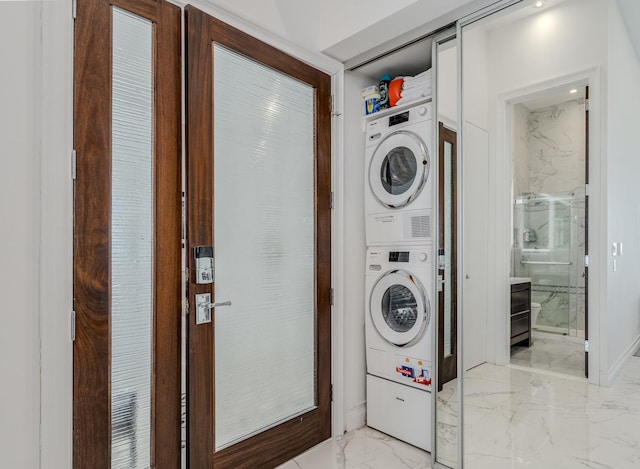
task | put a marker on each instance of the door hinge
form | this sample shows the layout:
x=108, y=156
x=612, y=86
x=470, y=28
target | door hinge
x=586, y=105
x=331, y=200
x=186, y=307
x=331, y=296
x=586, y=260
x=586, y=345
x=74, y=9
x=73, y=164
x=73, y=326
x=331, y=393
x=587, y=190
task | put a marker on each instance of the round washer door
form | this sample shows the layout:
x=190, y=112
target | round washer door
x=399, y=308
x=399, y=169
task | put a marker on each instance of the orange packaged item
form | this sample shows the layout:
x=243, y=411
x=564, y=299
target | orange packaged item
x=395, y=88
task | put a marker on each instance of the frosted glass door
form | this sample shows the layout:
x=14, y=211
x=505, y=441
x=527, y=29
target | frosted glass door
x=264, y=245
x=131, y=240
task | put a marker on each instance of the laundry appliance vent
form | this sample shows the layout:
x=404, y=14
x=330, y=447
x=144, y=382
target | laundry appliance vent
x=421, y=226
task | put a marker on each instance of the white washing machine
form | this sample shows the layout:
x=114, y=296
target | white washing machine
x=398, y=177
x=398, y=341
x=398, y=315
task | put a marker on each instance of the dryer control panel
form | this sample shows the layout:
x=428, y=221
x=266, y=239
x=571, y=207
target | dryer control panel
x=377, y=126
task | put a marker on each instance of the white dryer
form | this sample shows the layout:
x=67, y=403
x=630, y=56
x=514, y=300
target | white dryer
x=398, y=340
x=398, y=177
x=398, y=317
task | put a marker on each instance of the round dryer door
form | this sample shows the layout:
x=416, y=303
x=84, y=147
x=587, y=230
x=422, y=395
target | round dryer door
x=399, y=308
x=399, y=169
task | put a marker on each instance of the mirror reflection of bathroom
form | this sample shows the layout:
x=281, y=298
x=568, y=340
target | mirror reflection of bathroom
x=549, y=220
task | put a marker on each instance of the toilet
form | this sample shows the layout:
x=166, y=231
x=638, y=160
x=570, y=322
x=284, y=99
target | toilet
x=535, y=310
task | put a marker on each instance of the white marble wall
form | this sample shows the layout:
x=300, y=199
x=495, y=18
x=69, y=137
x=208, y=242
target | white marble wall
x=556, y=142
x=548, y=148
x=549, y=159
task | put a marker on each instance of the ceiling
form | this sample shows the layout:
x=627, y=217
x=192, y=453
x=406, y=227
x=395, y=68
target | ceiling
x=348, y=29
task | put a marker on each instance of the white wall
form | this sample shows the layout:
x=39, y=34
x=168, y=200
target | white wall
x=36, y=209
x=56, y=237
x=630, y=10
x=623, y=204
x=543, y=47
x=20, y=54
x=355, y=251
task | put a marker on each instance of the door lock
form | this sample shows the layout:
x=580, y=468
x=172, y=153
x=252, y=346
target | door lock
x=203, y=256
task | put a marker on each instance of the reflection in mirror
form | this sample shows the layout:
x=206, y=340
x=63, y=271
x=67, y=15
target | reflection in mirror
x=447, y=402
x=510, y=411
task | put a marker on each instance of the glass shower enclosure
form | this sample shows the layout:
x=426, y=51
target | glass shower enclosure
x=548, y=247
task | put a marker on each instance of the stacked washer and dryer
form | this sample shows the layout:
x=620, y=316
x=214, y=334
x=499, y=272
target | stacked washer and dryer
x=399, y=210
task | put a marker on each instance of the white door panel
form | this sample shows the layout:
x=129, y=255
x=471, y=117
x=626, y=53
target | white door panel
x=475, y=175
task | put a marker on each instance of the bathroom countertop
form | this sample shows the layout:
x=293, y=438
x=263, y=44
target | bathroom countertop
x=516, y=280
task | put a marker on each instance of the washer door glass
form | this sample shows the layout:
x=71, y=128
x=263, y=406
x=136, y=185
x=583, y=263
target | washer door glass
x=399, y=169
x=399, y=308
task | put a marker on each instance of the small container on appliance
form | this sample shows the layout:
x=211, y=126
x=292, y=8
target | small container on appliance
x=384, y=90
x=371, y=97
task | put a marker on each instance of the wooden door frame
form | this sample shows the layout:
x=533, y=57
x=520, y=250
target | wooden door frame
x=448, y=367
x=92, y=225
x=312, y=427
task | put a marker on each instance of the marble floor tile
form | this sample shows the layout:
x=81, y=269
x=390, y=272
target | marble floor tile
x=364, y=448
x=515, y=418
x=552, y=352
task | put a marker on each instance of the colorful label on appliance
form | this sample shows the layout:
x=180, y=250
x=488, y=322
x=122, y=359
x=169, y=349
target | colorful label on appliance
x=415, y=371
x=424, y=378
x=405, y=371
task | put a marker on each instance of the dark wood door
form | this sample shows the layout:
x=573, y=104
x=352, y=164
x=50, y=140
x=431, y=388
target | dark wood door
x=273, y=444
x=447, y=258
x=107, y=203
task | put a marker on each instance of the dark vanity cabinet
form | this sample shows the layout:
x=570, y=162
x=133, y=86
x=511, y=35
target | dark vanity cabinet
x=521, y=314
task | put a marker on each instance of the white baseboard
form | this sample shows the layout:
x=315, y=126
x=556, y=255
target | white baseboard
x=615, y=370
x=356, y=417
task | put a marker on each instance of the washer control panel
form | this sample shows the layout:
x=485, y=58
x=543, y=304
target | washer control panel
x=377, y=257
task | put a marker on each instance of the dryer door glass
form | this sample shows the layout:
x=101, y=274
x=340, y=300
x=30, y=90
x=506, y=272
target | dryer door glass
x=398, y=170
x=399, y=308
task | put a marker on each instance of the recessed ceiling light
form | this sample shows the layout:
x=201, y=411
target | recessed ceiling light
x=539, y=3
x=573, y=91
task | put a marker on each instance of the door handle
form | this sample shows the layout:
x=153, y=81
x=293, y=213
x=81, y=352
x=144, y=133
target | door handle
x=204, y=307
x=216, y=305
